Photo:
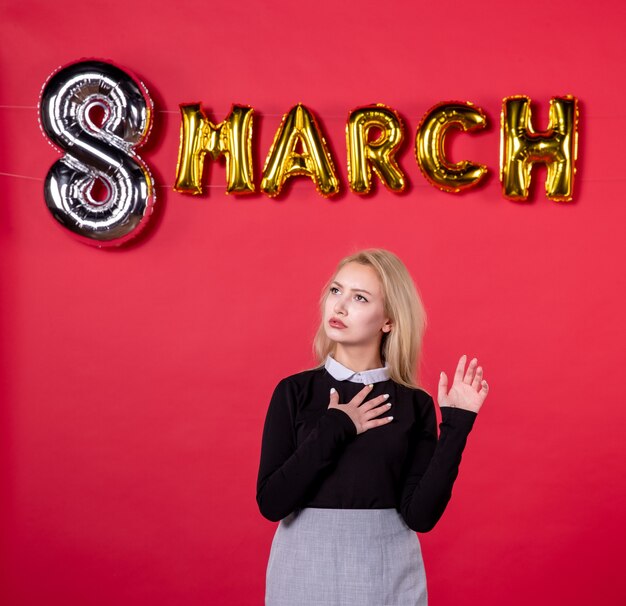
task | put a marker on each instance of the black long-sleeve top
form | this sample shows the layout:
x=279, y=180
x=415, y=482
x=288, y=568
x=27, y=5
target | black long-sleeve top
x=311, y=455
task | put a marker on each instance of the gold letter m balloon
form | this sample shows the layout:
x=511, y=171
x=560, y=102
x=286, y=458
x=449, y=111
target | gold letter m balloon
x=231, y=138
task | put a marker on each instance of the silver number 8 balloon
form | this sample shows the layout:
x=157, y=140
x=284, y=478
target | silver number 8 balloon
x=103, y=152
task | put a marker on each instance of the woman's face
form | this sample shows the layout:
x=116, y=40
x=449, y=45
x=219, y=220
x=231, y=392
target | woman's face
x=355, y=298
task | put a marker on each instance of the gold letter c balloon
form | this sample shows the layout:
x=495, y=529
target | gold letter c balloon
x=429, y=146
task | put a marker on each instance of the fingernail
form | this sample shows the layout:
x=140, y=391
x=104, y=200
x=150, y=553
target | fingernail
x=333, y=390
x=385, y=395
x=390, y=418
x=371, y=385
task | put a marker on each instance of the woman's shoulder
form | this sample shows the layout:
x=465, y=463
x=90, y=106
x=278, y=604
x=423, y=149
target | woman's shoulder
x=303, y=377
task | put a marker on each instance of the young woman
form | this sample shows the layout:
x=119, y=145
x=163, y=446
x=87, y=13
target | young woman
x=351, y=465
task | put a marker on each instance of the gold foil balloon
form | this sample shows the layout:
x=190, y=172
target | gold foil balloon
x=365, y=155
x=284, y=161
x=430, y=140
x=521, y=147
x=231, y=138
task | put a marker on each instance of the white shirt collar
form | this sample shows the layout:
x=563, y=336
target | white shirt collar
x=343, y=373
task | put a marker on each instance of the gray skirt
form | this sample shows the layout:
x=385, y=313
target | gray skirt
x=345, y=557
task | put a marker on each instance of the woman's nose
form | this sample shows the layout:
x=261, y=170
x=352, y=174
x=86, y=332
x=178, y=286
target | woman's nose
x=339, y=305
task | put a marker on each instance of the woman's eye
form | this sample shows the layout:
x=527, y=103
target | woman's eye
x=333, y=288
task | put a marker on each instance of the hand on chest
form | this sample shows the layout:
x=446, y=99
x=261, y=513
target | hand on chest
x=387, y=443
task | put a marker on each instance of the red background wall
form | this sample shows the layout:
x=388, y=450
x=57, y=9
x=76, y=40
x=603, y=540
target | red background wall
x=134, y=382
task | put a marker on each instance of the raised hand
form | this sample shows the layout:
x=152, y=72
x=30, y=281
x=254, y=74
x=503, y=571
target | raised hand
x=363, y=415
x=468, y=390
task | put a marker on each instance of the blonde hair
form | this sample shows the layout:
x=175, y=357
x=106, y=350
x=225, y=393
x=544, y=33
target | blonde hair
x=400, y=348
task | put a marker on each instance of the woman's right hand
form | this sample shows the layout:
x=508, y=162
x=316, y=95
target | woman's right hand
x=363, y=415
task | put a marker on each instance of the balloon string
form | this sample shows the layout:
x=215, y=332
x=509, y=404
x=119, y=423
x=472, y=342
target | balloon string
x=21, y=176
x=172, y=111
x=18, y=107
x=158, y=111
x=40, y=179
x=171, y=187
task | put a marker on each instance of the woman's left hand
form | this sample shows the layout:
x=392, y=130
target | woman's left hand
x=468, y=392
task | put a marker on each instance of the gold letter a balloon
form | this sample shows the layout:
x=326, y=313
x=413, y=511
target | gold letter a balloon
x=283, y=161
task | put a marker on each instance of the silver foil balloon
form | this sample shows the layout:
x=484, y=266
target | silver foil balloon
x=97, y=150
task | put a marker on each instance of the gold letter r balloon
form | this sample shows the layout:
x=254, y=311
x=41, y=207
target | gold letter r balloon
x=378, y=154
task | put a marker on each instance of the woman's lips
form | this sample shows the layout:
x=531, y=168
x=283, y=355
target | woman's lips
x=337, y=324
